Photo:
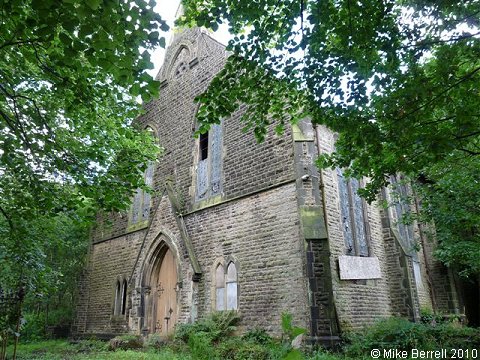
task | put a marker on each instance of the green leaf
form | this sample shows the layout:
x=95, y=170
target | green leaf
x=161, y=42
x=93, y=4
x=294, y=354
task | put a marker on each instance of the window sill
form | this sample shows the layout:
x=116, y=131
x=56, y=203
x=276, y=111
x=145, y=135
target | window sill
x=138, y=226
x=211, y=201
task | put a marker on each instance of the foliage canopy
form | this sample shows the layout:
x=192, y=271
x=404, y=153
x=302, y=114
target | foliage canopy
x=70, y=73
x=397, y=80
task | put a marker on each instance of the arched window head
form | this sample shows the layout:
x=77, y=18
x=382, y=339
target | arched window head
x=180, y=64
x=118, y=296
x=220, y=288
x=226, y=294
x=120, y=304
x=231, y=283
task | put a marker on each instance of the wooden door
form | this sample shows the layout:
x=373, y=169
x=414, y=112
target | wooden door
x=166, y=296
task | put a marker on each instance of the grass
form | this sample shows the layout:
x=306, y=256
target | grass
x=87, y=350
x=212, y=339
x=97, y=350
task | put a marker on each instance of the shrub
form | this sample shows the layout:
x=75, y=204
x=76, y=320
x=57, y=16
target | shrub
x=200, y=345
x=155, y=341
x=126, y=342
x=36, y=325
x=258, y=336
x=237, y=348
x=88, y=346
x=401, y=334
x=217, y=325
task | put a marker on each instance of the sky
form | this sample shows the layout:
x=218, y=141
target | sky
x=167, y=10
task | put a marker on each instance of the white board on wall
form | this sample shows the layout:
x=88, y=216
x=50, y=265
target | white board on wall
x=359, y=268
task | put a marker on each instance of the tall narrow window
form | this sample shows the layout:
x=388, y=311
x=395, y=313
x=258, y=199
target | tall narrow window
x=209, y=166
x=354, y=219
x=120, y=304
x=231, y=287
x=203, y=146
x=220, y=288
x=226, y=288
x=117, y=303
x=398, y=197
x=124, y=297
x=141, y=204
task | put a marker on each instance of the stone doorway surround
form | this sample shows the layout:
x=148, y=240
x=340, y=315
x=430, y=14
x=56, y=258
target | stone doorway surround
x=160, y=284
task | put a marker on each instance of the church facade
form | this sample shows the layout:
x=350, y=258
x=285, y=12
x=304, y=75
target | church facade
x=255, y=228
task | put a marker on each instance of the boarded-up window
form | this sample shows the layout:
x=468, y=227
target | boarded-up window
x=209, y=166
x=399, y=199
x=226, y=288
x=354, y=219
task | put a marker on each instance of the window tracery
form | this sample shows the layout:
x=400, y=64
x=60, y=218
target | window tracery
x=226, y=287
x=354, y=216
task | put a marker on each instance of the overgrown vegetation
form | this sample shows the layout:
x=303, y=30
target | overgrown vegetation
x=214, y=338
x=401, y=334
x=70, y=72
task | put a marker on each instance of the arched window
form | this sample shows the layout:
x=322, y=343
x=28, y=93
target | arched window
x=120, y=305
x=354, y=219
x=226, y=287
x=209, y=163
x=399, y=198
x=220, y=288
x=231, y=283
x=124, y=297
x=117, y=304
x=140, y=209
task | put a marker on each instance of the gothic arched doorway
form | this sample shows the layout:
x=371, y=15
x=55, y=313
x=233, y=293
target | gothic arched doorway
x=164, y=287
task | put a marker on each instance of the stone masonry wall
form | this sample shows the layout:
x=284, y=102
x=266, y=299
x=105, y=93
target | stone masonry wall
x=261, y=233
x=247, y=165
x=255, y=221
x=109, y=261
x=441, y=281
x=358, y=302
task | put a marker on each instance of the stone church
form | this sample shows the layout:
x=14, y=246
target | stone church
x=255, y=228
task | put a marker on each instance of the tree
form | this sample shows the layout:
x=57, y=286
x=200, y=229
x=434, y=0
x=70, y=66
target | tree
x=70, y=73
x=397, y=80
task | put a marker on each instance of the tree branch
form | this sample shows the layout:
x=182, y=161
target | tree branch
x=433, y=99
x=470, y=152
x=467, y=135
x=9, y=220
x=18, y=42
x=440, y=41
